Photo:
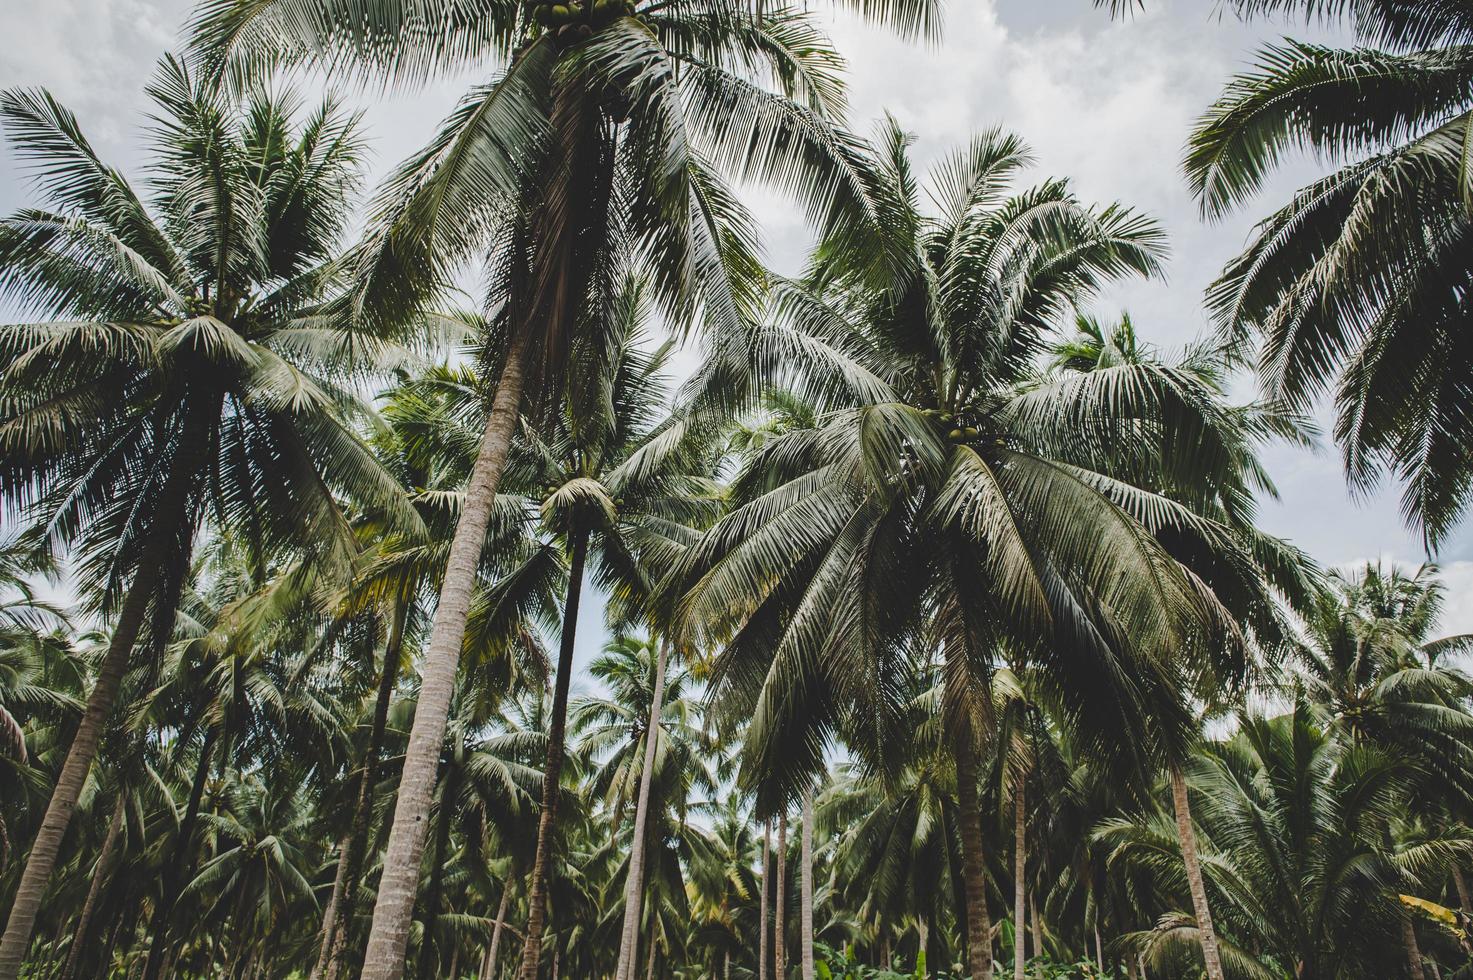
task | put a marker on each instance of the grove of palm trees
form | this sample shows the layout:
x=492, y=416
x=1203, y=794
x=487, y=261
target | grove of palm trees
x=937, y=627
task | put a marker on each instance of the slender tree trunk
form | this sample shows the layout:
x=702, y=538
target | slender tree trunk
x=1132, y=968
x=488, y=965
x=1414, y=952
x=42, y=859
x=805, y=900
x=127, y=922
x=974, y=866
x=541, y=865
x=923, y=940
x=1099, y=949
x=428, y=948
x=1195, y=881
x=1020, y=887
x=780, y=904
x=764, y=920
x=100, y=875
x=334, y=907
x=1461, y=884
x=1036, y=925
x=339, y=917
x=634, y=884
x=175, y=870
x=388, y=936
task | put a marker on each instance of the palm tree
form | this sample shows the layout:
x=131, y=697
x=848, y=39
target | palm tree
x=1298, y=827
x=1381, y=679
x=242, y=688
x=608, y=503
x=648, y=733
x=947, y=501
x=1359, y=282
x=1223, y=491
x=430, y=445
x=643, y=98
x=186, y=372
x=633, y=888
x=258, y=874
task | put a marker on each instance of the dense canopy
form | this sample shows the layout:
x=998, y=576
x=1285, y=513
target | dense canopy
x=939, y=636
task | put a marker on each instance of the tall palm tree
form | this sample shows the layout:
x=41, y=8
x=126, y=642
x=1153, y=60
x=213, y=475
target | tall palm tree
x=648, y=734
x=608, y=124
x=617, y=508
x=1360, y=282
x=609, y=504
x=429, y=443
x=1224, y=491
x=946, y=502
x=187, y=371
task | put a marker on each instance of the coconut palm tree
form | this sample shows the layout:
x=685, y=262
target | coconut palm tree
x=428, y=443
x=1359, y=282
x=614, y=507
x=1381, y=678
x=651, y=100
x=647, y=732
x=1298, y=828
x=186, y=372
x=984, y=506
x=239, y=687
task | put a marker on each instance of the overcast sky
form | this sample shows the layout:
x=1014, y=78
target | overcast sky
x=1107, y=104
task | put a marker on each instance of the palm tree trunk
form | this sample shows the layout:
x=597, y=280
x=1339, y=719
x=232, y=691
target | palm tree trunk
x=334, y=905
x=780, y=905
x=388, y=936
x=100, y=875
x=764, y=922
x=537, y=888
x=1461, y=884
x=634, y=884
x=974, y=867
x=174, y=872
x=1020, y=890
x=42, y=859
x=350, y=863
x=1036, y=926
x=1099, y=949
x=1414, y=952
x=923, y=940
x=805, y=900
x=428, y=952
x=1188, y=838
x=488, y=965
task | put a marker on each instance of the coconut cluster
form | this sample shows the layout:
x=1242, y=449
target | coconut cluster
x=573, y=22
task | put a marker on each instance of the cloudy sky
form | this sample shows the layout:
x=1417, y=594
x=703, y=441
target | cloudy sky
x=1105, y=103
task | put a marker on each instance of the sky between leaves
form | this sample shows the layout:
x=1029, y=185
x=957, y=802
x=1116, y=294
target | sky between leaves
x=1106, y=103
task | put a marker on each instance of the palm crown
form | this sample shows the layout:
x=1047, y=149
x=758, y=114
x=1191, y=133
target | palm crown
x=1359, y=283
